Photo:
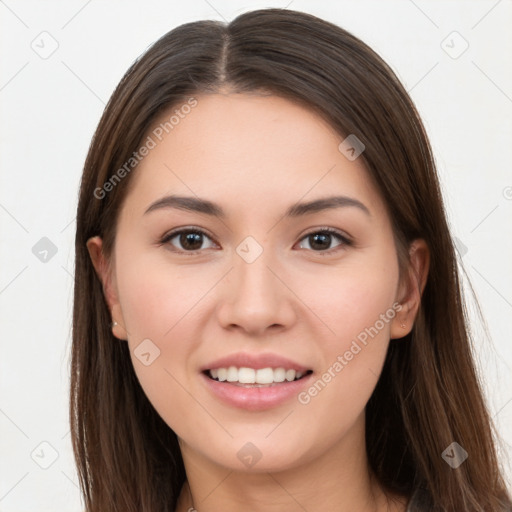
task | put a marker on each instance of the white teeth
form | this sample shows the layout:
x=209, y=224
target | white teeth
x=232, y=375
x=290, y=375
x=279, y=375
x=264, y=376
x=246, y=375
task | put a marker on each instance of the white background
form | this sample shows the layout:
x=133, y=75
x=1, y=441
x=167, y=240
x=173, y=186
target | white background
x=51, y=106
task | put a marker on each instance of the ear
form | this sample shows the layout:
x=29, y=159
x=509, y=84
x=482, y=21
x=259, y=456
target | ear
x=411, y=289
x=107, y=278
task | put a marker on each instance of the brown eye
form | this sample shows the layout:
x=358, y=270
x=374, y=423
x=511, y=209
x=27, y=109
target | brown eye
x=320, y=241
x=189, y=240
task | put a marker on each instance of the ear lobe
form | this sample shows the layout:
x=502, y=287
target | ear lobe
x=101, y=266
x=419, y=263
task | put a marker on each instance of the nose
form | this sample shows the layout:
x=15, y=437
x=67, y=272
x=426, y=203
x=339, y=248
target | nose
x=256, y=297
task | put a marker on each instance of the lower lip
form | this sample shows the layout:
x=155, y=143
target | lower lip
x=256, y=398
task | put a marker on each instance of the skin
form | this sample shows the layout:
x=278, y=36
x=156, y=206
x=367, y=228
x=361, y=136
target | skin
x=256, y=156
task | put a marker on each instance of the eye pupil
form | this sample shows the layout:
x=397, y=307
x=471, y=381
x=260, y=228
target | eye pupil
x=191, y=241
x=321, y=237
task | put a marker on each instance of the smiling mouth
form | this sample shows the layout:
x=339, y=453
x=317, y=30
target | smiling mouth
x=253, y=378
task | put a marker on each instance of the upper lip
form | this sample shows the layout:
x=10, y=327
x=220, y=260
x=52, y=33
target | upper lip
x=256, y=361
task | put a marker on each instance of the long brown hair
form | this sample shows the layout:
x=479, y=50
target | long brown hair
x=428, y=395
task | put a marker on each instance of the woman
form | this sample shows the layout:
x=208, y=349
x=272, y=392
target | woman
x=315, y=354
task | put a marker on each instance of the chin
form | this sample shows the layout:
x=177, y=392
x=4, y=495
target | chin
x=257, y=456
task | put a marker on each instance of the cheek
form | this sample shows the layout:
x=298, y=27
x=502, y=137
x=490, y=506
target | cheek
x=156, y=295
x=157, y=307
x=359, y=308
x=354, y=299
x=157, y=303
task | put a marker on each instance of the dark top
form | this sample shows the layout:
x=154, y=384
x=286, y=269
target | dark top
x=420, y=501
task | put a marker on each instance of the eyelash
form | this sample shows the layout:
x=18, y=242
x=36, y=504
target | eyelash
x=346, y=242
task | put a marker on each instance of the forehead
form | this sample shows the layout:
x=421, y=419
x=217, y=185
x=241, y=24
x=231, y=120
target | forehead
x=253, y=151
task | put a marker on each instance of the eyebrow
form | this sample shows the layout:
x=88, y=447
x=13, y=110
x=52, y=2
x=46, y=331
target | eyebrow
x=195, y=204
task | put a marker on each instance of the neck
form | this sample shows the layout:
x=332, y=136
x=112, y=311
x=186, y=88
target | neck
x=339, y=479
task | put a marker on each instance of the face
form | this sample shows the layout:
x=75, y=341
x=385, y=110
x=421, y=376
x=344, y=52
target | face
x=246, y=283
